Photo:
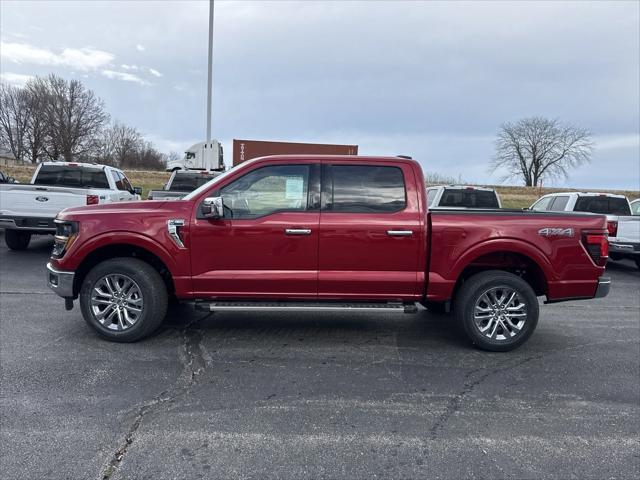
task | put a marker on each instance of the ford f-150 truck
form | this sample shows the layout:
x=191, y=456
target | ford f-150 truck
x=30, y=209
x=323, y=233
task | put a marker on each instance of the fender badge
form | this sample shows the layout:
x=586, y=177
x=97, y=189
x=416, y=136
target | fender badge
x=556, y=232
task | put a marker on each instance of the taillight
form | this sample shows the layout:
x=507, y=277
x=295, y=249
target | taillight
x=597, y=244
x=93, y=199
x=612, y=228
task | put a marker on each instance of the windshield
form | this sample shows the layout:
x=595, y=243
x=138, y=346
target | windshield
x=207, y=185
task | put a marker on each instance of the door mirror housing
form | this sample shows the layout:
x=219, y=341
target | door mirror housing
x=137, y=190
x=212, y=207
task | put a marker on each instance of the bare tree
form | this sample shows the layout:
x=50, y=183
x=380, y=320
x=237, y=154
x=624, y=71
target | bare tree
x=35, y=135
x=121, y=143
x=74, y=116
x=536, y=148
x=13, y=120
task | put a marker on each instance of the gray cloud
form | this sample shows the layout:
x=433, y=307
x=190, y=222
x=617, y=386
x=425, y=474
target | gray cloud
x=433, y=80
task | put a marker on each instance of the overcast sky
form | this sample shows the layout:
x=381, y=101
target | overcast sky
x=431, y=80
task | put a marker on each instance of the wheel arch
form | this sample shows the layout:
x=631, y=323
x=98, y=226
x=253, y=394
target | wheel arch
x=517, y=257
x=116, y=250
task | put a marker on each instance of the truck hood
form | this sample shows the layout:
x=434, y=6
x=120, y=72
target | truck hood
x=126, y=215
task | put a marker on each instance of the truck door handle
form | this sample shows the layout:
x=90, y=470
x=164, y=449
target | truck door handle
x=399, y=233
x=297, y=231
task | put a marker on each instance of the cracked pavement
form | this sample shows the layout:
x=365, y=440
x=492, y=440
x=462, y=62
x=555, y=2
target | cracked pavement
x=321, y=395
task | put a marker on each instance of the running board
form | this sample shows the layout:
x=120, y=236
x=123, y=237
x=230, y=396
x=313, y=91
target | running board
x=219, y=306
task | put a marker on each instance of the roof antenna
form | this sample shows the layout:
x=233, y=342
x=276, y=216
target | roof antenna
x=405, y=156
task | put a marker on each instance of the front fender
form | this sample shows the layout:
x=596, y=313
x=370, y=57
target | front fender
x=74, y=258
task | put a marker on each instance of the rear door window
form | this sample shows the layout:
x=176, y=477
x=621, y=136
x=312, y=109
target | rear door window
x=125, y=182
x=366, y=189
x=542, y=204
x=69, y=176
x=603, y=204
x=431, y=196
x=116, y=180
x=468, y=198
x=559, y=203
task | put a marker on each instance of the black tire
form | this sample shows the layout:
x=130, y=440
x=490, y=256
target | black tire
x=473, y=290
x=436, y=307
x=16, y=239
x=153, y=292
x=637, y=260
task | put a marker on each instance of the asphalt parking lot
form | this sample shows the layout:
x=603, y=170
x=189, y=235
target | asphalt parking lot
x=315, y=395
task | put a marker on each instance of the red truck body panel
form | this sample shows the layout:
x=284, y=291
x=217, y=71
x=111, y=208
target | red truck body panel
x=347, y=255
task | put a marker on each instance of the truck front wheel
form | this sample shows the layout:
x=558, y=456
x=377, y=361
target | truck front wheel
x=497, y=310
x=16, y=239
x=123, y=299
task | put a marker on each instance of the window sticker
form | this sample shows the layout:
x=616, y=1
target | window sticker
x=294, y=188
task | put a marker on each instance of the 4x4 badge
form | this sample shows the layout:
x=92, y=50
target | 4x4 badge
x=556, y=232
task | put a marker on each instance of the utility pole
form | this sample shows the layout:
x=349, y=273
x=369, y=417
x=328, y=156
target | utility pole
x=210, y=72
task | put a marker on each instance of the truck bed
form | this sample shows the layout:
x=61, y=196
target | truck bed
x=18, y=201
x=460, y=238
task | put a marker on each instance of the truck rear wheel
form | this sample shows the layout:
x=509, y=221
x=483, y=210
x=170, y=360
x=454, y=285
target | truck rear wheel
x=497, y=310
x=16, y=239
x=123, y=299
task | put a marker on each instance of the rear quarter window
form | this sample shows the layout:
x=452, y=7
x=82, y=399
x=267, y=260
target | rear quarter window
x=603, y=204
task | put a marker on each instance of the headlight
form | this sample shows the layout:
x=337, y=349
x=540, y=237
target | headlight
x=66, y=233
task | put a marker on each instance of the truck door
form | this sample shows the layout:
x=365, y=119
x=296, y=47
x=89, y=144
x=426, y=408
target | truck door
x=266, y=246
x=370, y=232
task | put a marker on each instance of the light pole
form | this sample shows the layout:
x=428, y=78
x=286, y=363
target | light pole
x=210, y=72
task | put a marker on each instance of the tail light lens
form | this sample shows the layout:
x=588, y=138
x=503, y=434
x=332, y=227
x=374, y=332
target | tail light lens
x=612, y=228
x=93, y=199
x=66, y=233
x=597, y=245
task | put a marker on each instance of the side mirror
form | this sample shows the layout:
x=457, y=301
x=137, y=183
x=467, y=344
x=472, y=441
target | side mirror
x=212, y=207
x=526, y=209
x=137, y=190
x=11, y=180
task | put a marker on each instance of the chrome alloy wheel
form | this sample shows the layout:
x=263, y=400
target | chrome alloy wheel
x=500, y=313
x=116, y=301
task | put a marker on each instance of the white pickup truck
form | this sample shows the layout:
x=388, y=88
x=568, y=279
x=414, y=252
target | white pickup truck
x=626, y=242
x=624, y=229
x=28, y=209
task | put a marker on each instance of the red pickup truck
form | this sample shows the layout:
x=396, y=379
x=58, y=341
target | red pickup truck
x=324, y=233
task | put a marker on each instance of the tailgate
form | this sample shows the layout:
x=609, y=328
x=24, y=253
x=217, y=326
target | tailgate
x=628, y=229
x=39, y=201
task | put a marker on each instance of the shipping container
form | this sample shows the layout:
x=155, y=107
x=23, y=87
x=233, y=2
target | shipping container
x=244, y=150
